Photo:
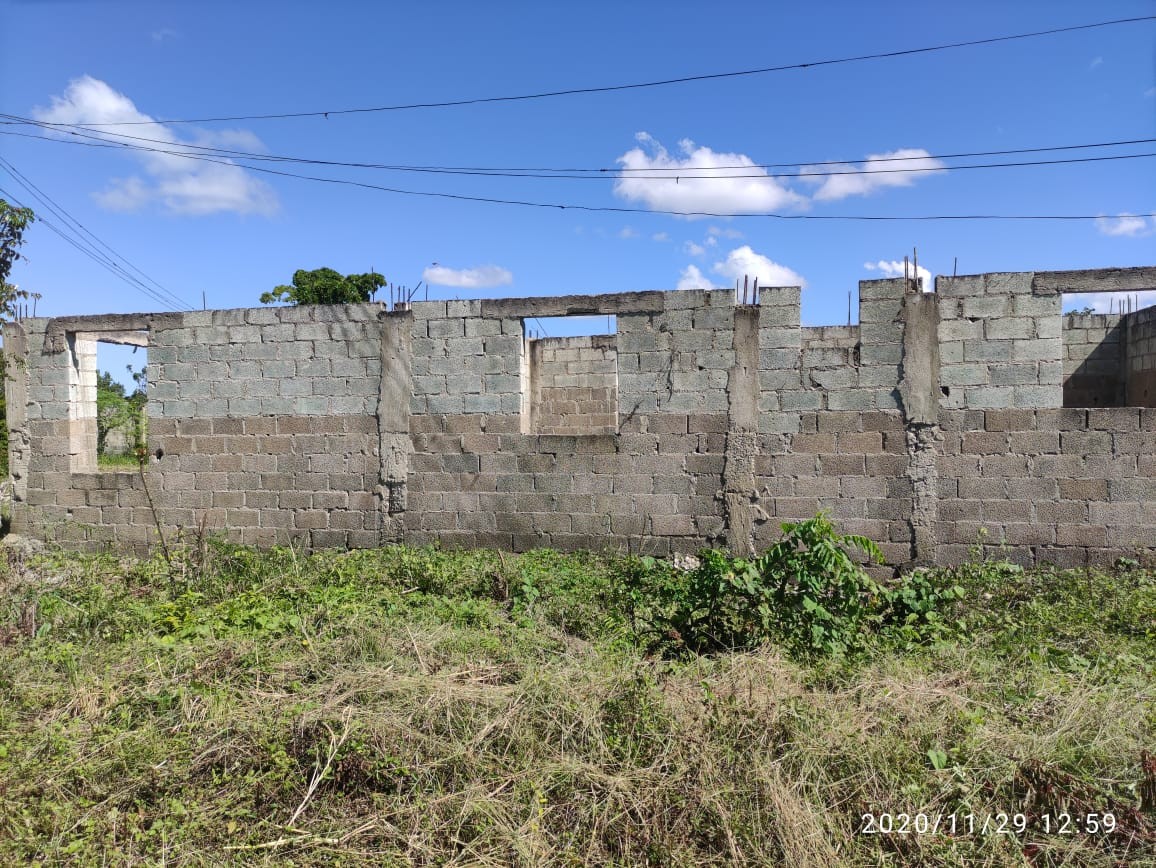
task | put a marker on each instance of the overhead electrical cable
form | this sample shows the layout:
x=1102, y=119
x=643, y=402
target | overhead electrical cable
x=160, y=294
x=991, y=40
x=104, y=262
x=687, y=174
x=627, y=210
x=108, y=139
x=70, y=231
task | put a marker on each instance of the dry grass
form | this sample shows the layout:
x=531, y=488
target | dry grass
x=321, y=711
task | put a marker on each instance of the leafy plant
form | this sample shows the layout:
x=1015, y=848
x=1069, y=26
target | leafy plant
x=917, y=611
x=13, y=222
x=807, y=592
x=326, y=286
x=822, y=595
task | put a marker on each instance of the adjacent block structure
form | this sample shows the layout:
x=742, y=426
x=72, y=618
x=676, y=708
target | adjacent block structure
x=944, y=418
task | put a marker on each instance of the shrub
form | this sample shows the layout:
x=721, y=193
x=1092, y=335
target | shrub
x=807, y=592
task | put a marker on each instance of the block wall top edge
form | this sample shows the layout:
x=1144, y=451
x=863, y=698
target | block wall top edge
x=368, y=306
x=575, y=305
x=897, y=281
x=1093, y=320
x=590, y=341
x=1138, y=317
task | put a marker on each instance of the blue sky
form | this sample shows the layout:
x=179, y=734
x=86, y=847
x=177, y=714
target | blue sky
x=227, y=234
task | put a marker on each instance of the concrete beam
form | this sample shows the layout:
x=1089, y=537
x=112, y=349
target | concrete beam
x=575, y=305
x=1095, y=280
x=126, y=339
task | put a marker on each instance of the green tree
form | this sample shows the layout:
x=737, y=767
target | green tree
x=13, y=222
x=326, y=286
x=116, y=409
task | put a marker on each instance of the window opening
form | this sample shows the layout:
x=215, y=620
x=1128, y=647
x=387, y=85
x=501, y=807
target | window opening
x=571, y=375
x=1109, y=349
x=109, y=391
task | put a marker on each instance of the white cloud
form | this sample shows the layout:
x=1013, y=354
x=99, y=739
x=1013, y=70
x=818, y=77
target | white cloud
x=894, y=268
x=704, y=187
x=627, y=232
x=659, y=236
x=693, y=249
x=1150, y=92
x=1109, y=302
x=692, y=278
x=163, y=34
x=724, y=232
x=1095, y=63
x=179, y=185
x=1125, y=225
x=744, y=262
x=872, y=174
x=124, y=194
x=468, y=278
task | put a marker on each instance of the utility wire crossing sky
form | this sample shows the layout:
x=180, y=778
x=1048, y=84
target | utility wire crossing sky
x=936, y=124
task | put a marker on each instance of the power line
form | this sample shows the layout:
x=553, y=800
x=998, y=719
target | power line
x=72, y=237
x=161, y=294
x=105, y=139
x=622, y=209
x=626, y=210
x=649, y=84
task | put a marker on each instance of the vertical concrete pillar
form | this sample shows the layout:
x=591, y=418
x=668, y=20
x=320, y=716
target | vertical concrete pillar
x=919, y=401
x=393, y=410
x=532, y=403
x=16, y=400
x=742, y=432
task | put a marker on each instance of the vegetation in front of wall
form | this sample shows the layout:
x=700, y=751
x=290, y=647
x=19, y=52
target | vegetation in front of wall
x=808, y=593
x=418, y=706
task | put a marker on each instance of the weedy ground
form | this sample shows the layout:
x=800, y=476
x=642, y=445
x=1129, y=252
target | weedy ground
x=417, y=707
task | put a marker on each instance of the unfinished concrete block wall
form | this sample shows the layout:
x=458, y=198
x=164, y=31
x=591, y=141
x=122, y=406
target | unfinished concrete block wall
x=1000, y=342
x=263, y=424
x=1071, y=487
x=1094, y=364
x=491, y=479
x=935, y=423
x=1140, y=358
x=574, y=385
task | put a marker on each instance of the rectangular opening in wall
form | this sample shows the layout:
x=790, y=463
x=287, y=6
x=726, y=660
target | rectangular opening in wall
x=108, y=391
x=572, y=375
x=1109, y=349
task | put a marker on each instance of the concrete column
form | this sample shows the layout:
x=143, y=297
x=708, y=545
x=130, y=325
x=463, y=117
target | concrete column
x=742, y=432
x=393, y=412
x=919, y=401
x=16, y=399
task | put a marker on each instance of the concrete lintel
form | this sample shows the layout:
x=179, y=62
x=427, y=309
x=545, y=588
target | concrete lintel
x=127, y=338
x=115, y=324
x=1095, y=280
x=575, y=305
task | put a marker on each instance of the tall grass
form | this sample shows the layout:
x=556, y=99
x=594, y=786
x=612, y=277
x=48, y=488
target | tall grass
x=414, y=706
